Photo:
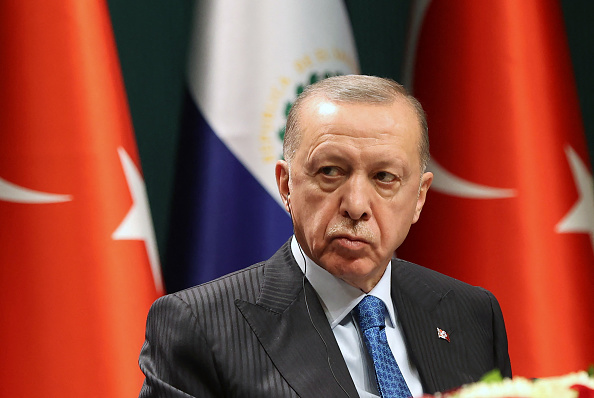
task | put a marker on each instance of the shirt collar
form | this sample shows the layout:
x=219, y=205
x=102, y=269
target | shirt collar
x=338, y=297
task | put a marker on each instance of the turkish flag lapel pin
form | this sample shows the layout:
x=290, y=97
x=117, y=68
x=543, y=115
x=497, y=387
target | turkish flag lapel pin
x=442, y=334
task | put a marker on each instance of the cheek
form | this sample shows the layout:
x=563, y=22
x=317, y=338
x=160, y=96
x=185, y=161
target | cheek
x=316, y=213
x=394, y=221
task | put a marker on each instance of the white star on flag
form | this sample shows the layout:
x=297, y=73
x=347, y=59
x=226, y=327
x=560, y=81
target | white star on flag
x=137, y=225
x=581, y=216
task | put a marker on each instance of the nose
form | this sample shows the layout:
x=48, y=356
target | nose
x=356, y=199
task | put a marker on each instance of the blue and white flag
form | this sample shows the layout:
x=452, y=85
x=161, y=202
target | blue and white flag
x=248, y=62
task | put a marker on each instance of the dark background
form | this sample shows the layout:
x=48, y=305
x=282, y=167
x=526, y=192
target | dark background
x=152, y=38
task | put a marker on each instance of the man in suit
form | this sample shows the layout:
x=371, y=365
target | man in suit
x=353, y=181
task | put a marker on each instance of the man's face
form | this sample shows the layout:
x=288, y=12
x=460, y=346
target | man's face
x=355, y=185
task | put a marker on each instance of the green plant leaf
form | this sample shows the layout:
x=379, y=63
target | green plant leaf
x=493, y=376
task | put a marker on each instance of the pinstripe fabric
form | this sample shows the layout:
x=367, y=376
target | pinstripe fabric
x=214, y=351
x=427, y=300
x=249, y=334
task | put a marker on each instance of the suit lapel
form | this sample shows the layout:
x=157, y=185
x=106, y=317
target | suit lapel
x=421, y=311
x=287, y=333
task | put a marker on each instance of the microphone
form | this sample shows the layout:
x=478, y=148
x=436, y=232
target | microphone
x=288, y=202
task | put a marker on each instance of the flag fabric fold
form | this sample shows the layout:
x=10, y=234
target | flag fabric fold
x=247, y=64
x=511, y=208
x=80, y=266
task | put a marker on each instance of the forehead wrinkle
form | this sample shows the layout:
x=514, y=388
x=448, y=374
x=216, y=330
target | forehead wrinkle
x=349, y=137
x=325, y=145
x=354, y=139
x=341, y=150
x=345, y=132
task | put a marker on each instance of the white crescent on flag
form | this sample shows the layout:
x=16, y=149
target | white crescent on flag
x=444, y=181
x=10, y=192
x=447, y=183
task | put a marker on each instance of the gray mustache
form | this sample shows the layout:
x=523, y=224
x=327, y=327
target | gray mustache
x=354, y=228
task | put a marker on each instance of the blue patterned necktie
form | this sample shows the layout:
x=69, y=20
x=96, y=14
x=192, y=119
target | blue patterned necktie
x=370, y=315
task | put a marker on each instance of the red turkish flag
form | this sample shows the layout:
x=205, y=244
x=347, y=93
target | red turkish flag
x=511, y=208
x=76, y=240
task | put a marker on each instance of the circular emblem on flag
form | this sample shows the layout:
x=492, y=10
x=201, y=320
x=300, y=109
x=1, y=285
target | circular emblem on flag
x=313, y=78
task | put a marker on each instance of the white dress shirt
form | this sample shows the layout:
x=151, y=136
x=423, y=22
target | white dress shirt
x=338, y=299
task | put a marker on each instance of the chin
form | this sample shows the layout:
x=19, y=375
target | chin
x=354, y=270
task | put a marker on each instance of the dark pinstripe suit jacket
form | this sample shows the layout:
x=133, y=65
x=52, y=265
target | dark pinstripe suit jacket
x=249, y=334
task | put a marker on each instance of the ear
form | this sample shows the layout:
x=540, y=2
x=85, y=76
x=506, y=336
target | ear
x=426, y=181
x=282, y=181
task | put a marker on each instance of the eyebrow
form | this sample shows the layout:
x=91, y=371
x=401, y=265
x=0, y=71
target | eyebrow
x=340, y=156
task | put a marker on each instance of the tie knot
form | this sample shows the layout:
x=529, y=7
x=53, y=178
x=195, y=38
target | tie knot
x=370, y=313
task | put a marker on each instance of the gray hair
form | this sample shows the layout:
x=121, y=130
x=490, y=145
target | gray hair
x=354, y=89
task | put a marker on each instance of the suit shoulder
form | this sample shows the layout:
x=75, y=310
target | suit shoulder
x=428, y=287
x=243, y=284
x=413, y=274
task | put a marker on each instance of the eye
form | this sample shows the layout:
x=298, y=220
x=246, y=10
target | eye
x=330, y=171
x=384, y=176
